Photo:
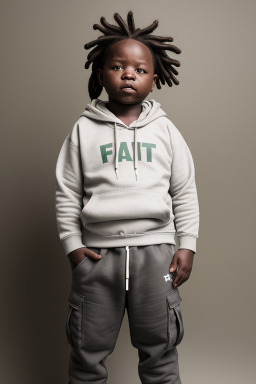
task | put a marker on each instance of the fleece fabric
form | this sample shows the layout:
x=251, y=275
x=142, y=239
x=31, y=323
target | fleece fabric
x=119, y=185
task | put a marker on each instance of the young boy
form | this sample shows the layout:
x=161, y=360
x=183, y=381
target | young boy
x=125, y=187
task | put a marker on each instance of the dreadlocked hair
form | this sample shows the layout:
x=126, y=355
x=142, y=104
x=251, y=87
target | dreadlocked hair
x=112, y=34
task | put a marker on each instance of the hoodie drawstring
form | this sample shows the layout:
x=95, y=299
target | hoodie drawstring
x=135, y=153
x=135, y=160
x=127, y=271
x=116, y=154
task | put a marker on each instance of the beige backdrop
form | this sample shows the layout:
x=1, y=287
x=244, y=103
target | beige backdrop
x=44, y=86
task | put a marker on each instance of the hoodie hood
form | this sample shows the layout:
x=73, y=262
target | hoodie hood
x=97, y=110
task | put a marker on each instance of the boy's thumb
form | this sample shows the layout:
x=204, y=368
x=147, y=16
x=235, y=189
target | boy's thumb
x=173, y=265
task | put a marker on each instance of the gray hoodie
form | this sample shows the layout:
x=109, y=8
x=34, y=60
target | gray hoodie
x=119, y=185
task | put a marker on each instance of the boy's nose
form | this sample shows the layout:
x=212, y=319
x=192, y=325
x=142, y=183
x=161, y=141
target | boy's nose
x=128, y=75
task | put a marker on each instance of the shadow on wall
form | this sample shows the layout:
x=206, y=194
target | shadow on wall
x=36, y=275
x=37, y=278
x=38, y=287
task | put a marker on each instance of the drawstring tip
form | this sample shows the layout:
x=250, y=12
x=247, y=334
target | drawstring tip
x=117, y=174
x=136, y=174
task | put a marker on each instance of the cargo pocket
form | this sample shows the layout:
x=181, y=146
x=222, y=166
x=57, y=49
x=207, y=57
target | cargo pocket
x=75, y=319
x=175, y=323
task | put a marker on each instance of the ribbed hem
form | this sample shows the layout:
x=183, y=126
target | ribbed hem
x=71, y=243
x=138, y=239
x=187, y=242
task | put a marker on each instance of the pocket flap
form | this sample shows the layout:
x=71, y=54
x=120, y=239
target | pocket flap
x=174, y=298
x=75, y=299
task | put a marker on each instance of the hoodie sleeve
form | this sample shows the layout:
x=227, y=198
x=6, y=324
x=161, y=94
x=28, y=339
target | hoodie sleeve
x=69, y=196
x=184, y=193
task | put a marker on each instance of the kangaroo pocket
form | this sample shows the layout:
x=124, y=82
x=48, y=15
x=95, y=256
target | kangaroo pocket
x=133, y=211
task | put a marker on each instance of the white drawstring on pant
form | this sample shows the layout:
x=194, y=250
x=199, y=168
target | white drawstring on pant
x=127, y=262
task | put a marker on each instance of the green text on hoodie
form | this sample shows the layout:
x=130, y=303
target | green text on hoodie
x=119, y=185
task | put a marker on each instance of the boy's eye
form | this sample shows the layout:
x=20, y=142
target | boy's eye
x=117, y=67
x=140, y=70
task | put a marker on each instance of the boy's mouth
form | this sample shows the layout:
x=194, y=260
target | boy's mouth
x=128, y=88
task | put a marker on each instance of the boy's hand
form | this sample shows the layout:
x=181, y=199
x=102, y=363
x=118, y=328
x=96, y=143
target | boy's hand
x=181, y=263
x=75, y=257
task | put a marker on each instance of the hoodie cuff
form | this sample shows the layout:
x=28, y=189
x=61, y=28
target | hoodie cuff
x=71, y=243
x=187, y=242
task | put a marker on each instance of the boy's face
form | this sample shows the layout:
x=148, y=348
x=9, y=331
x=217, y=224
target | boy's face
x=128, y=73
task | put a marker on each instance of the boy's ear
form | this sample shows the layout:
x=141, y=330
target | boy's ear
x=155, y=77
x=99, y=73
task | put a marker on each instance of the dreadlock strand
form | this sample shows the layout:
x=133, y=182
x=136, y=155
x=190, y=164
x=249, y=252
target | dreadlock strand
x=88, y=63
x=122, y=24
x=99, y=41
x=101, y=29
x=159, y=70
x=176, y=82
x=171, y=61
x=168, y=47
x=168, y=80
x=167, y=64
x=173, y=70
x=92, y=53
x=158, y=38
x=158, y=84
x=111, y=28
x=94, y=56
x=91, y=44
x=130, y=22
x=165, y=73
x=94, y=87
x=148, y=29
x=161, y=77
x=135, y=34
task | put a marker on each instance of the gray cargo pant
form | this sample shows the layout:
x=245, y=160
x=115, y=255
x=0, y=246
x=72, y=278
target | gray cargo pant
x=136, y=278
